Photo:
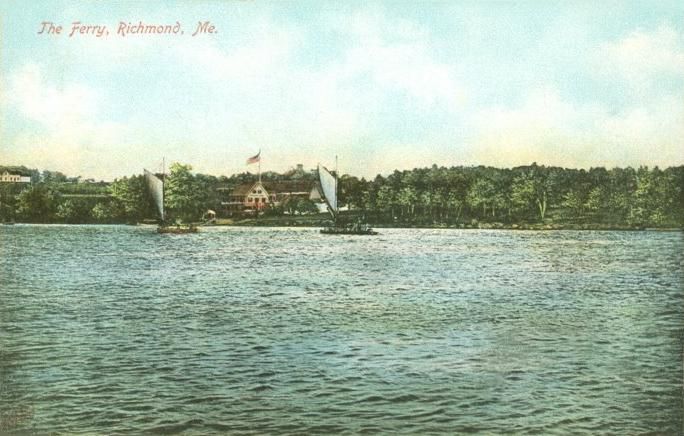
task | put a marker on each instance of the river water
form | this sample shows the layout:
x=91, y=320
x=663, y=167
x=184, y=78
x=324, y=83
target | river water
x=116, y=329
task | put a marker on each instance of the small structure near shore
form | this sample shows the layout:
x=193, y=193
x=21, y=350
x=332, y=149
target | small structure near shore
x=6, y=177
x=257, y=196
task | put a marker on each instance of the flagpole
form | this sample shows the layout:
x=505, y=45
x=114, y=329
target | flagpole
x=163, y=217
x=259, y=205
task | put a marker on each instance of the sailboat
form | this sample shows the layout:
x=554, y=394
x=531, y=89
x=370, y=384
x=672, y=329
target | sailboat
x=156, y=187
x=329, y=186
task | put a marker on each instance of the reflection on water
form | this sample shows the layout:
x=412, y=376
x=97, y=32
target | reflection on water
x=118, y=329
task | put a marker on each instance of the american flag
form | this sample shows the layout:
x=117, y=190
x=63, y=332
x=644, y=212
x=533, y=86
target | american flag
x=254, y=159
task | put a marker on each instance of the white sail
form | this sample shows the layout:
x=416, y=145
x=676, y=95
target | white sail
x=156, y=187
x=329, y=185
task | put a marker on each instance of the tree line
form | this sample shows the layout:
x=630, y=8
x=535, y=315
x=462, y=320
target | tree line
x=525, y=194
x=55, y=198
x=641, y=197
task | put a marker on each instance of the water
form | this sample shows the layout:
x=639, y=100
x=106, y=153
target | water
x=115, y=329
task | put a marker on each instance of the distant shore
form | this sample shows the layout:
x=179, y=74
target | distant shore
x=267, y=222
x=531, y=197
x=307, y=222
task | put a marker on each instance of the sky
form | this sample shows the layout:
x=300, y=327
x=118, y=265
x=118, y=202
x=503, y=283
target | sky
x=384, y=85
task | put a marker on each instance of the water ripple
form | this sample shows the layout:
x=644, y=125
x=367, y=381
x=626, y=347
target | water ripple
x=119, y=330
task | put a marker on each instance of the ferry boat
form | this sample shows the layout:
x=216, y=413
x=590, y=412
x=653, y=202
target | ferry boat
x=352, y=229
x=329, y=186
x=156, y=187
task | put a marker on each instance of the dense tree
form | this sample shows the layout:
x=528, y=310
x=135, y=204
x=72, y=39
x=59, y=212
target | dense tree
x=103, y=212
x=8, y=200
x=36, y=204
x=53, y=177
x=534, y=189
x=73, y=210
x=66, y=211
x=385, y=200
x=575, y=203
x=407, y=199
x=422, y=196
x=482, y=194
x=131, y=197
x=305, y=206
x=184, y=195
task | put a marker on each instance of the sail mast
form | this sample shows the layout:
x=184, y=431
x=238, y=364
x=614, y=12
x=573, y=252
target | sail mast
x=156, y=187
x=336, y=202
x=163, y=179
x=328, y=183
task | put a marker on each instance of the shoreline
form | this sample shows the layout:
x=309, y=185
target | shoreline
x=532, y=227
x=481, y=226
x=317, y=222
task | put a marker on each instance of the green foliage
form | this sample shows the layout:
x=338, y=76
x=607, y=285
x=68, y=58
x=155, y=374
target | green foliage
x=131, y=198
x=36, y=204
x=385, y=200
x=50, y=177
x=574, y=202
x=73, y=188
x=8, y=200
x=530, y=193
x=107, y=212
x=77, y=209
x=482, y=194
x=533, y=189
x=185, y=194
x=293, y=206
x=351, y=191
x=305, y=206
x=422, y=196
x=66, y=211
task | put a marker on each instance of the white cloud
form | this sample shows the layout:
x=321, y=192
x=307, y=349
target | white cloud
x=394, y=54
x=543, y=109
x=48, y=105
x=397, y=55
x=406, y=68
x=642, y=70
x=652, y=133
x=547, y=127
x=305, y=91
x=644, y=58
x=371, y=24
x=268, y=93
x=266, y=52
x=65, y=132
x=551, y=130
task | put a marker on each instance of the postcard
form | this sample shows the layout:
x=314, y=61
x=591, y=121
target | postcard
x=304, y=217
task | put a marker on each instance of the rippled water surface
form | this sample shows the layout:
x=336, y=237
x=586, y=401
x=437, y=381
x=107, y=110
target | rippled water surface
x=108, y=329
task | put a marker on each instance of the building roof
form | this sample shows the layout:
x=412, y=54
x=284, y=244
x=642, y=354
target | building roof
x=243, y=189
x=15, y=171
x=289, y=186
x=284, y=187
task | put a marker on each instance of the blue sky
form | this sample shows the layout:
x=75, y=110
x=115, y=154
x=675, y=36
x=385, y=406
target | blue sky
x=383, y=85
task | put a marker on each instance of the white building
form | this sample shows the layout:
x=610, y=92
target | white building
x=14, y=178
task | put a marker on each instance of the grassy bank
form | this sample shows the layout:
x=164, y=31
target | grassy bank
x=321, y=220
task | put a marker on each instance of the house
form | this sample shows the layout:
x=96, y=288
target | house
x=249, y=197
x=14, y=178
x=294, y=189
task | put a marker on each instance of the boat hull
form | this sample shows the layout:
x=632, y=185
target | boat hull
x=177, y=230
x=344, y=231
